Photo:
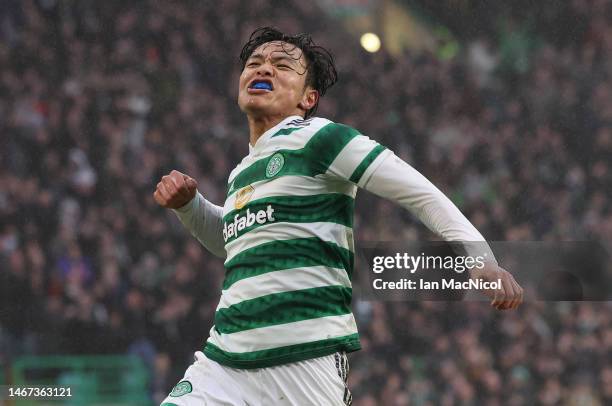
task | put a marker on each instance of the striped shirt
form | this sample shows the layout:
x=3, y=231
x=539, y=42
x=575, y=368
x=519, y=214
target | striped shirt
x=288, y=233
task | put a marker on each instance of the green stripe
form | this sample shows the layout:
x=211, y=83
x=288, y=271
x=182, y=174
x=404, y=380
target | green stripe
x=282, y=355
x=327, y=143
x=286, y=131
x=332, y=208
x=311, y=160
x=168, y=404
x=361, y=168
x=287, y=254
x=286, y=307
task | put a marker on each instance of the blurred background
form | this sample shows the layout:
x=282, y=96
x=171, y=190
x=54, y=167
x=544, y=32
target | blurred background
x=505, y=106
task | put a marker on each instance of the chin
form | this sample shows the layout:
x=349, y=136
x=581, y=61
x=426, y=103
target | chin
x=257, y=112
x=256, y=109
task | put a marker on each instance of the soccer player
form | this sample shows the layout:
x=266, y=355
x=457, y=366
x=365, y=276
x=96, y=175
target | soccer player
x=284, y=322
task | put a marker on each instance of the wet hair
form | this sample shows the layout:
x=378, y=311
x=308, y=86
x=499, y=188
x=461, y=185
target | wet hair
x=321, y=72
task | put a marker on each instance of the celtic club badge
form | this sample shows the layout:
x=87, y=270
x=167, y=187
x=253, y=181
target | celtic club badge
x=181, y=388
x=275, y=164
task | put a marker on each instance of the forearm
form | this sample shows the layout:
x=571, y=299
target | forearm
x=394, y=179
x=204, y=221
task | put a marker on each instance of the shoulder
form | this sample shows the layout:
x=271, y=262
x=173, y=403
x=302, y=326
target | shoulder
x=313, y=125
x=332, y=126
x=300, y=126
x=296, y=134
x=332, y=134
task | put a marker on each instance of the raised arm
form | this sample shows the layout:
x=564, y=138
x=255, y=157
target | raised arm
x=203, y=219
x=371, y=166
x=394, y=179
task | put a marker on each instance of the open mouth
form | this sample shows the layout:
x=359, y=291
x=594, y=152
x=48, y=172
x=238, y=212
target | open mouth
x=261, y=84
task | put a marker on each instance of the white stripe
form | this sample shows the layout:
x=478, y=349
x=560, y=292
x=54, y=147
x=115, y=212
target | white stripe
x=298, y=332
x=286, y=280
x=294, y=141
x=329, y=232
x=293, y=186
x=351, y=156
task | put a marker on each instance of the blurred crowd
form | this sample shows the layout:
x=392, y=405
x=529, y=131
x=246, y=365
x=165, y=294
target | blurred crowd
x=99, y=99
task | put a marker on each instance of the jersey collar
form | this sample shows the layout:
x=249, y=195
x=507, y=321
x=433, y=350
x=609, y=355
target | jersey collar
x=263, y=140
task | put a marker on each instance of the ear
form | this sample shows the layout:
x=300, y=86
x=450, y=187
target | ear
x=309, y=99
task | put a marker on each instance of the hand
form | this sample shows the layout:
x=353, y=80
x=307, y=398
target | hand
x=509, y=295
x=175, y=190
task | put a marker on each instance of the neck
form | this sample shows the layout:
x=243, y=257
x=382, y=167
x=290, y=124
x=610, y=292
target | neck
x=259, y=125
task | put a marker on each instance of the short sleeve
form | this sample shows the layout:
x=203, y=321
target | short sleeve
x=342, y=152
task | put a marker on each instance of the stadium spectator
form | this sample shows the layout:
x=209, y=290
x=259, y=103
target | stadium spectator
x=99, y=99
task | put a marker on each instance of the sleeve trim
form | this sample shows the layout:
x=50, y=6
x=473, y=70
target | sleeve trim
x=363, y=166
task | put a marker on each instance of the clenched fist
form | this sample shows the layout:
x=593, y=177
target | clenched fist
x=175, y=190
x=510, y=293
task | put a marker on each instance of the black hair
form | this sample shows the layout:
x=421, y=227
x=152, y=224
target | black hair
x=321, y=71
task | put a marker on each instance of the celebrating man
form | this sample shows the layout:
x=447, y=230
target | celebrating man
x=284, y=322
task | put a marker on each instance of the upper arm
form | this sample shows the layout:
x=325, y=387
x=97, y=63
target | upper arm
x=342, y=152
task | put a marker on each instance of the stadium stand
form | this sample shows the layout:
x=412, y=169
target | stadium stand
x=99, y=99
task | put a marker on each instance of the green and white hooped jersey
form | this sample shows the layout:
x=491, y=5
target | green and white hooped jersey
x=288, y=232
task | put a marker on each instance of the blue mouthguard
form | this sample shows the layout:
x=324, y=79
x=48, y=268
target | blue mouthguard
x=262, y=85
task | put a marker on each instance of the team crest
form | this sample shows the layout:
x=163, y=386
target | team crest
x=181, y=388
x=243, y=196
x=275, y=164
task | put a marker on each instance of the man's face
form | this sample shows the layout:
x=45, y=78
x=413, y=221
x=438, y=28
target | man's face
x=272, y=82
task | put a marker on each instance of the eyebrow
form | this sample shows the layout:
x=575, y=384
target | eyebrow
x=275, y=58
